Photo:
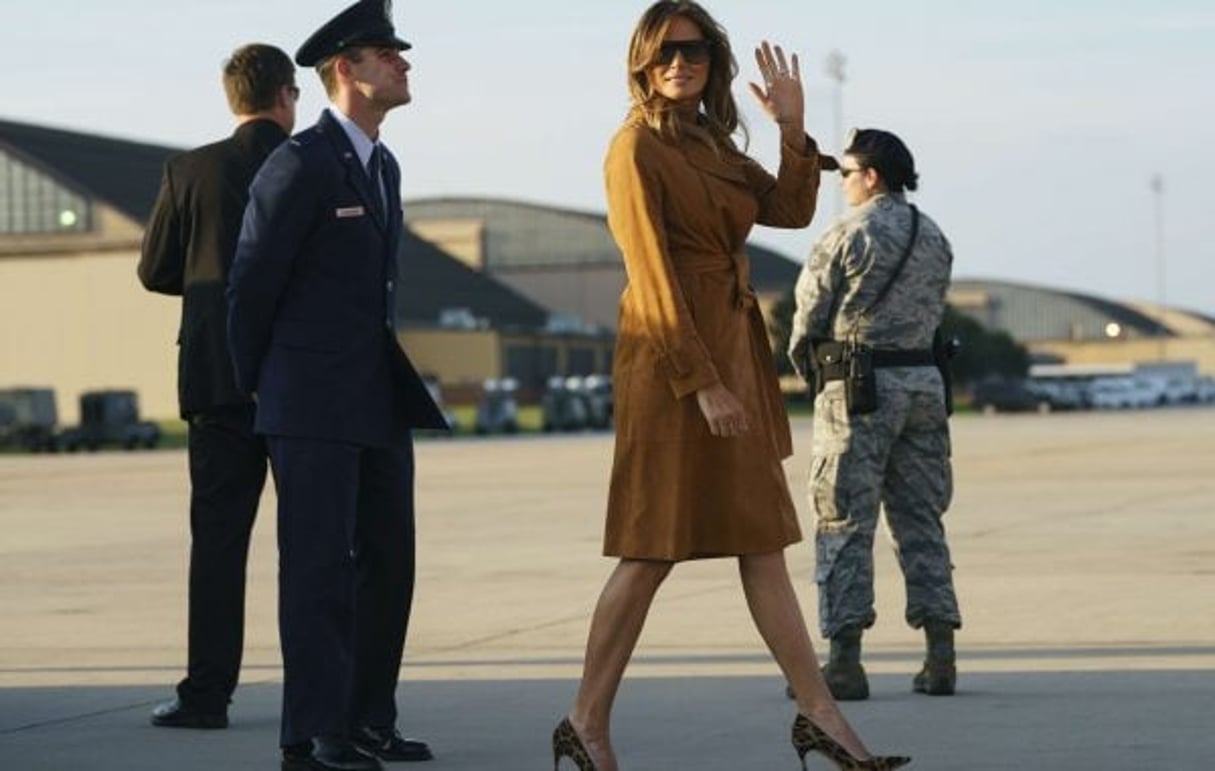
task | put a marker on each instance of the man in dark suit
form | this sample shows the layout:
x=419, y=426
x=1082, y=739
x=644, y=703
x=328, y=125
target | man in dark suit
x=187, y=250
x=313, y=335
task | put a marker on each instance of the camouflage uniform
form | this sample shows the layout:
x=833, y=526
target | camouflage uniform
x=898, y=456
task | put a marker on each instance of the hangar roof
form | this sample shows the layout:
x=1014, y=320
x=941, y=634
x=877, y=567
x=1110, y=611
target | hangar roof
x=124, y=174
x=1035, y=313
x=529, y=236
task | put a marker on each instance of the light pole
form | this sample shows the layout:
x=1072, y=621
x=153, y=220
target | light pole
x=1157, y=185
x=834, y=66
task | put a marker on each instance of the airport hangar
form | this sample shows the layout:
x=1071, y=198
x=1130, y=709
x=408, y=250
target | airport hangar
x=74, y=317
x=489, y=287
x=566, y=261
x=1084, y=333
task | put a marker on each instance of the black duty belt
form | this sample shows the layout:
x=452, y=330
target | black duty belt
x=922, y=358
x=829, y=356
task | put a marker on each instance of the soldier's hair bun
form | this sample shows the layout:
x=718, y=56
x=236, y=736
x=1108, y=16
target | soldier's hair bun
x=885, y=153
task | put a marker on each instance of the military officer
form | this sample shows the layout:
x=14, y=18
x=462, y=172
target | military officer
x=312, y=331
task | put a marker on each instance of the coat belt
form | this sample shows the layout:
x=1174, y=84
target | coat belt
x=697, y=263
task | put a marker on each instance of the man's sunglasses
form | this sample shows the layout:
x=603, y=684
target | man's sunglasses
x=692, y=51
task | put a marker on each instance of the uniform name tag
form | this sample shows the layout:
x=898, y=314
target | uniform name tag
x=350, y=211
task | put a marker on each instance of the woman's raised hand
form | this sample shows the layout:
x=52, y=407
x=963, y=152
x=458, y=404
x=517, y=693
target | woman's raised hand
x=781, y=95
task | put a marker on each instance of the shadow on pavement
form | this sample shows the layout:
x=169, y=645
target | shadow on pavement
x=1020, y=720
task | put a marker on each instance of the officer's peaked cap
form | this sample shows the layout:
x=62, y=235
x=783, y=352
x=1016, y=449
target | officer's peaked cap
x=366, y=23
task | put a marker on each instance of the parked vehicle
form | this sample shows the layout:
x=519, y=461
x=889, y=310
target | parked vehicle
x=1060, y=394
x=563, y=406
x=1108, y=393
x=498, y=410
x=1204, y=390
x=1153, y=390
x=574, y=403
x=28, y=417
x=601, y=402
x=1007, y=395
x=110, y=417
x=1181, y=390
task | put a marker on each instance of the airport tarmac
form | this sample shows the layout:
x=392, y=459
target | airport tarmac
x=1084, y=547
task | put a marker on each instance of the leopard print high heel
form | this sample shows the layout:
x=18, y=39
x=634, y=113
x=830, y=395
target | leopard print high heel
x=566, y=744
x=807, y=737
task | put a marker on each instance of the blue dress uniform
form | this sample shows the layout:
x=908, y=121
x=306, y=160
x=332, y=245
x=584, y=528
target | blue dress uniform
x=312, y=333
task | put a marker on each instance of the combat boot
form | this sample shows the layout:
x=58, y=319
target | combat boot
x=843, y=671
x=939, y=675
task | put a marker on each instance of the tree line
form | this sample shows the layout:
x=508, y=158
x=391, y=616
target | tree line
x=983, y=353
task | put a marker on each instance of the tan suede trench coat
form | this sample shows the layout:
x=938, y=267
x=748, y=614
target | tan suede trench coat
x=680, y=214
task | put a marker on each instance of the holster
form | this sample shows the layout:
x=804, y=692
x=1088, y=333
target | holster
x=848, y=361
x=860, y=383
x=854, y=363
x=944, y=349
x=824, y=362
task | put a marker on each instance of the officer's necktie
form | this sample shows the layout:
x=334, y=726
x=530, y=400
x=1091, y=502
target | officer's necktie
x=375, y=173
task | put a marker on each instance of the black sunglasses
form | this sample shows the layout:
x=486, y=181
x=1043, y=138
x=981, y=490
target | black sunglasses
x=692, y=51
x=845, y=172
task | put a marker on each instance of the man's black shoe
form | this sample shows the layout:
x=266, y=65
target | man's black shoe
x=387, y=744
x=327, y=755
x=175, y=714
x=297, y=757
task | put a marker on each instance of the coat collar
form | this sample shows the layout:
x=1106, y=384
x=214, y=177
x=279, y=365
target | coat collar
x=260, y=133
x=356, y=174
x=363, y=145
x=704, y=158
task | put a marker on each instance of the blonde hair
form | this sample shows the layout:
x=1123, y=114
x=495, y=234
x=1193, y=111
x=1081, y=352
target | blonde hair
x=720, y=118
x=327, y=68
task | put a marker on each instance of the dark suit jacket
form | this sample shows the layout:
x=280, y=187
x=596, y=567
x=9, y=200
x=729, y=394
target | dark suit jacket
x=312, y=295
x=188, y=248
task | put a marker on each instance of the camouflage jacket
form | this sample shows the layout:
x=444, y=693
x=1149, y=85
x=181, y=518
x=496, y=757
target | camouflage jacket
x=851, y=263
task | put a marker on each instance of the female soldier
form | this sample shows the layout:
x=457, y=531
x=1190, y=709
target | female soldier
x=878, y=277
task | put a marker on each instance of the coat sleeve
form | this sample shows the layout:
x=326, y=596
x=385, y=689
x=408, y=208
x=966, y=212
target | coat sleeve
x=818, y=290
x=162, y=258
x=787, y=200
x=635, y=216
x=280, y=214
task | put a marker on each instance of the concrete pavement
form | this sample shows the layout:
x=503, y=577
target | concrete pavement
x=1085, y=552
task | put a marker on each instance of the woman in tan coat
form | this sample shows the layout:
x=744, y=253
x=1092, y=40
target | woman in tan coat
x=701, y=429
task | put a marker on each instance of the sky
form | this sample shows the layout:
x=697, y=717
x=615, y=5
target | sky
x=1037, y=126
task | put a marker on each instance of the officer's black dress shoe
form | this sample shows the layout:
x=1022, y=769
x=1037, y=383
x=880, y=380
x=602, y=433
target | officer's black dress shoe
x=327, y=755
x=387, y=744
x=176, y=714
x=297, y=757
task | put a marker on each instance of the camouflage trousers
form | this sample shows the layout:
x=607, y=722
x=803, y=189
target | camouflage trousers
x=897, y=460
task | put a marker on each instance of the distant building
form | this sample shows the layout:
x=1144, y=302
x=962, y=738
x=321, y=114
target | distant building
x=1084, y=330
x=489, y=287
x=73, y=315
x=464, y=326
x=560, y=258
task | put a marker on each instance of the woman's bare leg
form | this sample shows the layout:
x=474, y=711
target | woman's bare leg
x=617, y=623
x=778, y=617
